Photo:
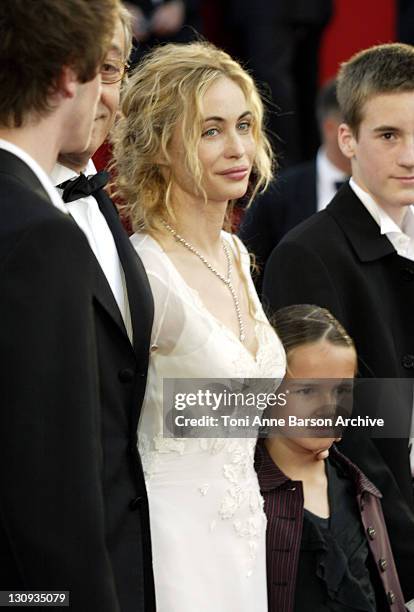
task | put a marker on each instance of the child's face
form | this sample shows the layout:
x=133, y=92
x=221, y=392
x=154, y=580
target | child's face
x=319, y=381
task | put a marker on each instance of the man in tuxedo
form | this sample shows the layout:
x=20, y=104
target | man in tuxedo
x=299, y=191
x=356, y=258
x=123, y=319
x=52, y=520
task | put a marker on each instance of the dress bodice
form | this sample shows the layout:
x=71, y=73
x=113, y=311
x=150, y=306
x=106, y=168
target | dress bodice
x=189, y=342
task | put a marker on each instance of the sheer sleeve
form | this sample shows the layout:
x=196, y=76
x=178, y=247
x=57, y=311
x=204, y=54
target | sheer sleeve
x=169, y=315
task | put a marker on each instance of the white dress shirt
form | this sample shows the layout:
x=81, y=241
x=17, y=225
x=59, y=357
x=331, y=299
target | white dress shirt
x=37, y=170
x=327, y=175
x=89, y=218
x=401, y=238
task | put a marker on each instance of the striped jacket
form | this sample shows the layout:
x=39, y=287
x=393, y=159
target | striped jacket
x=284, y=510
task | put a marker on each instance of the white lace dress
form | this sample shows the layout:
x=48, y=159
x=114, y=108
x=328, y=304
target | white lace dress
x=206, y=511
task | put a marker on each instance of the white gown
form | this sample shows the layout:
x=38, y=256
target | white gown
x=206, y=511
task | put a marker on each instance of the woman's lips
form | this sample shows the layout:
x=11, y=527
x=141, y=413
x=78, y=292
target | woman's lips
x=235, y=174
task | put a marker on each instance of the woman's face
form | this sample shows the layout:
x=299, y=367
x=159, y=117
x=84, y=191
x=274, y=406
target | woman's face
x=319, y=381
x=227, y=147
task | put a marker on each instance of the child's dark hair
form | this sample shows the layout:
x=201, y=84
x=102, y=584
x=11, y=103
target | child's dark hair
x=305, y=323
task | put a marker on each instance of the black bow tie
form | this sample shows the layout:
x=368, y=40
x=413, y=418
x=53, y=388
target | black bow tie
x=82, y=186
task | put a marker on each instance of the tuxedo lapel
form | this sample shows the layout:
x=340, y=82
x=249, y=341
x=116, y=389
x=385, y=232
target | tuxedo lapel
x=105, y=297
x=139, y=293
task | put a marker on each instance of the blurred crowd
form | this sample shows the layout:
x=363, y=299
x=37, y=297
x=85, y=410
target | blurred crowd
x=279, y=42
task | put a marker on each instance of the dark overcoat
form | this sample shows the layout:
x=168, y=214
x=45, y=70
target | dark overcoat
x=338, y=259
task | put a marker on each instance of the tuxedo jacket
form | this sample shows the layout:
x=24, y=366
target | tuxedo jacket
x=287, y=202
x=123, y=369
x=339, y=260
x=73, y=509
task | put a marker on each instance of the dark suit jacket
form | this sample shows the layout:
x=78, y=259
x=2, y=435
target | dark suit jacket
x=338, y=259
x=284, y=507
x=122, y=376
x=52, y=518
x=74, y=512
x=290, y=199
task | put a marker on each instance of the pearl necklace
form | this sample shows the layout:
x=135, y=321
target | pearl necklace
x=225, y=280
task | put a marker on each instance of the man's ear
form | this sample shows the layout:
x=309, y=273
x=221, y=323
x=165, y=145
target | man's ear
x=67, y=84
x=346, y=140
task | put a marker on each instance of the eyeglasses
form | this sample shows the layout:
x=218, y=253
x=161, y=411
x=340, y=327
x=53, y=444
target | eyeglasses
x=113, y=71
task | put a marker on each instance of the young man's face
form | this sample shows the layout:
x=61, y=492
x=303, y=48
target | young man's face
x=382, y=155
x=79, y=122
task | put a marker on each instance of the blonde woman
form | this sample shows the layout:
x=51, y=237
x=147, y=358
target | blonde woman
x=189, y=144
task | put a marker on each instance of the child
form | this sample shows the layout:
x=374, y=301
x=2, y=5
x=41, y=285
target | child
x=327, y=544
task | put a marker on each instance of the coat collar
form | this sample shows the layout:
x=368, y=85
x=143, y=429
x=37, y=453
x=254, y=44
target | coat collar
x=11, y=155
x=358, y=226
x=13, y=165
x=268, y=474
x=362, y=483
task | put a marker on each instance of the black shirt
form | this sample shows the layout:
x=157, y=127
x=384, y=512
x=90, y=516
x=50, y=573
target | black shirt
x=333, y=574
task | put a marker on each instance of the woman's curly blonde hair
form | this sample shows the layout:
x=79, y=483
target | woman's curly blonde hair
x=167, y=88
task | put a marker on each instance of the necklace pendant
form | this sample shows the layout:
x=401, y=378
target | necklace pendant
x=226, y=281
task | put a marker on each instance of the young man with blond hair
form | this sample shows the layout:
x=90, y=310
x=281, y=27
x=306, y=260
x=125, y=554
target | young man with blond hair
x=52, y=518
x=356, y=258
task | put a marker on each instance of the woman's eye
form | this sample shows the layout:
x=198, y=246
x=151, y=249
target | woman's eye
x=210, y=132
x=244, y=126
